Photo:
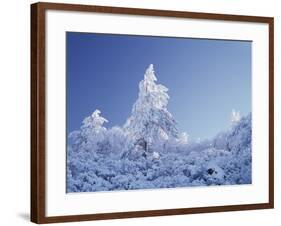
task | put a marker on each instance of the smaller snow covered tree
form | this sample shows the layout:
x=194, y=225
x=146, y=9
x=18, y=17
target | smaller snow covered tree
x=235, y=116
x=93, y=125
x=91, y=132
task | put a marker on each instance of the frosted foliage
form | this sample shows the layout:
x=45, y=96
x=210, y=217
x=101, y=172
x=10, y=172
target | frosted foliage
x=183, y=138
x=149, y=152
x=151, y=122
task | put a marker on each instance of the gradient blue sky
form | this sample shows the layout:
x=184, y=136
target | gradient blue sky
x=206, y=78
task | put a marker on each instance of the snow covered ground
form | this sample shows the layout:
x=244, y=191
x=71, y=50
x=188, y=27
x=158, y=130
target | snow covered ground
x=149, y=151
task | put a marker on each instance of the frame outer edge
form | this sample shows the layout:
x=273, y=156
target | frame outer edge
x=38, y=200
x=153, y=12
x=37, y=183
x=33, y=119
x=271, y=112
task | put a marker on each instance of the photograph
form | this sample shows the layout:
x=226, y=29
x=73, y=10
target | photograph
x=153, y=112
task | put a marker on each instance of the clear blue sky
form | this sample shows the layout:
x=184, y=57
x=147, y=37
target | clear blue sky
x=206, y=78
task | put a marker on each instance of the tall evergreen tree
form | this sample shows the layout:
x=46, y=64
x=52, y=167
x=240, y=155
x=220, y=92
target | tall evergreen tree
x=151, y=122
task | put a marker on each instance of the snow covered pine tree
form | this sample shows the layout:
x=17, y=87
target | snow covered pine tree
x=151, y=123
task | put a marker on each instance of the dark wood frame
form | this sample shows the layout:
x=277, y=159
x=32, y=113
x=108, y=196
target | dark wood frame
x=38, y=22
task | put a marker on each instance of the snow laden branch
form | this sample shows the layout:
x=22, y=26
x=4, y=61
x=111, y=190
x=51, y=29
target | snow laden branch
x=148, y=151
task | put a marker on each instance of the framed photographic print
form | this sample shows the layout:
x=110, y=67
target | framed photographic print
x=141, y=112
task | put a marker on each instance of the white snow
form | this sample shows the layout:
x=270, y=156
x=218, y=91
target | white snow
x=150, y=152
x=235, y=116
x=151, y=122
